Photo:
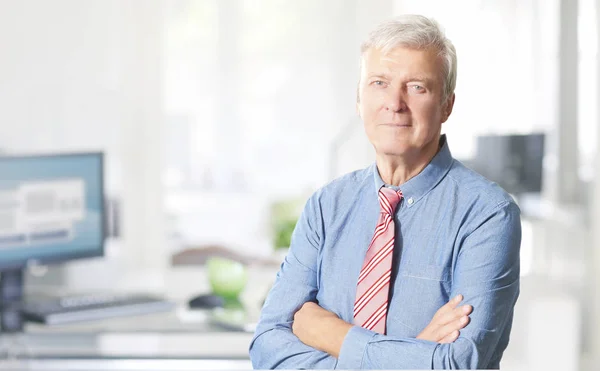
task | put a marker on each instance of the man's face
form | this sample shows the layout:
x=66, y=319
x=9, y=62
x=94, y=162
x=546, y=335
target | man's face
x=401, y=100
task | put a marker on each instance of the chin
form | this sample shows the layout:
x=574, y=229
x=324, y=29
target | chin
x=392, y=149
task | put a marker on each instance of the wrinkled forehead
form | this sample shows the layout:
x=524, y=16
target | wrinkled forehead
x=403, y=60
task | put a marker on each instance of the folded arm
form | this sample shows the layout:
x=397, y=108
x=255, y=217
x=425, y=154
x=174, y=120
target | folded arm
x=487, y=274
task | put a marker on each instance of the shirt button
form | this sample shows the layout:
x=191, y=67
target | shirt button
x=410, y=201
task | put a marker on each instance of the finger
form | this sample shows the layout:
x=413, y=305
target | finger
x=449, y=306
x=308, y=306
x=451, y=338
x=455, y=314
x=456, y=325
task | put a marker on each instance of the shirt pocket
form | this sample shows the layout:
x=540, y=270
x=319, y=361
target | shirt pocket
x=419, y=291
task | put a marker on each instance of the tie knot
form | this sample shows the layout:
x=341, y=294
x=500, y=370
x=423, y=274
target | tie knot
x=389, y=199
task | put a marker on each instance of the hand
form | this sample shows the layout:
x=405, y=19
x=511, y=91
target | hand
x=447, y=321
x=320, y=328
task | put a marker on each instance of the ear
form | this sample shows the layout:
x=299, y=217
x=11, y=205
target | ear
x=358, y=99
x=447, y=110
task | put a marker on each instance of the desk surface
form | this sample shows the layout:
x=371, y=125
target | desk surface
x=173, y=335
x=180, y=339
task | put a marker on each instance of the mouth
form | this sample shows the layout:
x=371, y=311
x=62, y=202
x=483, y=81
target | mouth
x=397, y=125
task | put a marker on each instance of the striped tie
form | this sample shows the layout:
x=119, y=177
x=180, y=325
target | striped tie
x=370, y=307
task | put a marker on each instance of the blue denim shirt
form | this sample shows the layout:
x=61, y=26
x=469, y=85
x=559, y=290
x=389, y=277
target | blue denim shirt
x=456, y=233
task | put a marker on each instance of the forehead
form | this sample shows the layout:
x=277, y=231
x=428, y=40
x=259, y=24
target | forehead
x=402, y=61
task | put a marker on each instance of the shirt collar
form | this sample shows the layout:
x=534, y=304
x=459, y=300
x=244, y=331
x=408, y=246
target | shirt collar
x=426, y=180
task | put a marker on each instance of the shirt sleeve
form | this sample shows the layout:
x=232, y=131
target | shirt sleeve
x=274, y=346
x=486, y=273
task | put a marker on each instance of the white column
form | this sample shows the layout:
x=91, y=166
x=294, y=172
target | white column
x=593, y=268
x=143, y=248
x=561, y=182
x=228, y=168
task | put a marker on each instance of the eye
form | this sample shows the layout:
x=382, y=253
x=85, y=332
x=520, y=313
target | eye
x=378, y=83
x=417, y=88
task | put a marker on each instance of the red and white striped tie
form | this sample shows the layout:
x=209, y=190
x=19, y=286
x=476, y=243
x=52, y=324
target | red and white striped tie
x=372, y=290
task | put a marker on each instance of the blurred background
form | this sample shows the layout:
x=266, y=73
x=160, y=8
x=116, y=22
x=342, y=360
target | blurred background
x=217, y=119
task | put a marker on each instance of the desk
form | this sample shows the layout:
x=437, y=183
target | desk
x=179, y=340
x=163, y=341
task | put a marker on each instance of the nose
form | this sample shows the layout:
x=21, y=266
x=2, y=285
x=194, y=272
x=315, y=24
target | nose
x=396, y=102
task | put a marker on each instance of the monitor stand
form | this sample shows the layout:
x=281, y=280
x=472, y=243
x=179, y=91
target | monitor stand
x=11, y=294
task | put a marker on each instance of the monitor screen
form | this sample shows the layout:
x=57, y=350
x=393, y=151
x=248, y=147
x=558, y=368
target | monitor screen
x=515, y=162
x=51, y=208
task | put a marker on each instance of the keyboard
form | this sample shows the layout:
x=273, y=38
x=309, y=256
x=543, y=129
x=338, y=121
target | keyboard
x=71, y=309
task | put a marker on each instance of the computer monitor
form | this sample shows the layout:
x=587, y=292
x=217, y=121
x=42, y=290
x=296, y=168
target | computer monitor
x=513, y=161
x=51, y=210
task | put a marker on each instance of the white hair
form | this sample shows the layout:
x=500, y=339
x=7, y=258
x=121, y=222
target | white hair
x=416, y=32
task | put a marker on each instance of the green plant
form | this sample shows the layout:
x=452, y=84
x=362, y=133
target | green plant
x=284, y=216
x=283, y=233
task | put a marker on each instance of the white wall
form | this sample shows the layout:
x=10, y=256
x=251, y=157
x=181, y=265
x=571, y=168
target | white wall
x=87, y=75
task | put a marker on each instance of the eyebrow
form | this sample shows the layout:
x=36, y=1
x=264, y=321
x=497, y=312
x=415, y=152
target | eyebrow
x=426, y=80
x=423, y=79
x=380, y=75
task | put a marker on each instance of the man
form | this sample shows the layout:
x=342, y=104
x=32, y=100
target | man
x=378, y=254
